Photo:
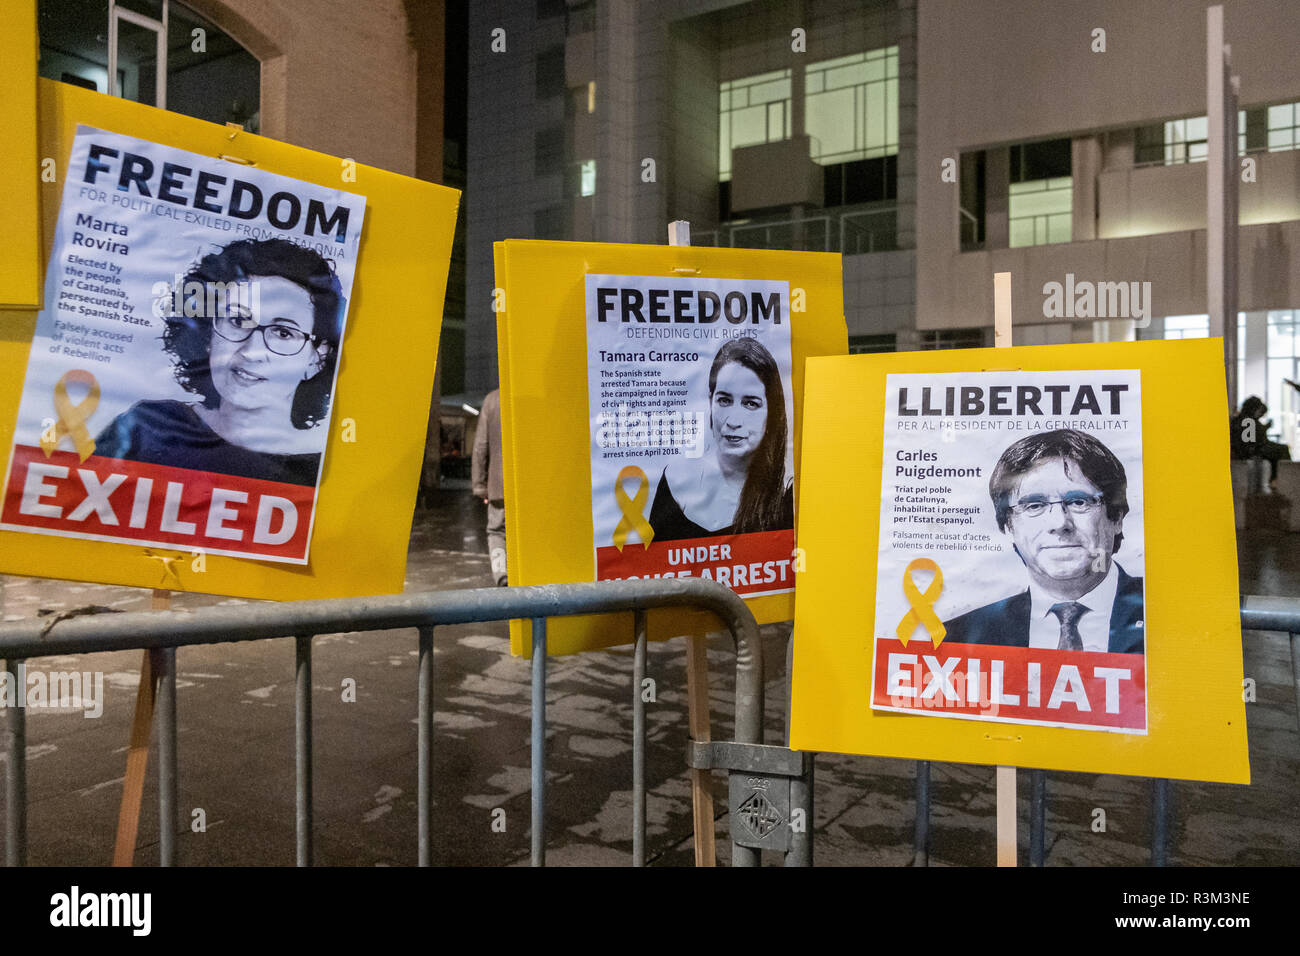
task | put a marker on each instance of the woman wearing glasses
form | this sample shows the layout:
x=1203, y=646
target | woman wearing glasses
x=260, y=357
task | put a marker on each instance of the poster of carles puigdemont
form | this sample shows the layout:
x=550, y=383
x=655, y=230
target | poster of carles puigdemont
x=1009, y=580
x=182, y=373
x=692, y=443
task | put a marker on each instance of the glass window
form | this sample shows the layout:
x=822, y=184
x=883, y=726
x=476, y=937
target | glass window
x=1040, y=211
x=868, y=344
x=1187, y=326
x=549, y=70
x=752, y=110
x=548, y=150
x=850, y=109
x=1186, y=140
x=208, y=74
x=851, y=106
x=1282, y=123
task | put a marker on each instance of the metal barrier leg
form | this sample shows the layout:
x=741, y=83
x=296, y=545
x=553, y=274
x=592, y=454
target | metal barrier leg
x=302, y=748
x=801, y=799
x=1295, y=672
x=1037, y=816
x=424, y=765
x=1160, y=793
x=921, y=833
x=166, y=712
x=539, y=743
x=16, y=774
x=638, y=742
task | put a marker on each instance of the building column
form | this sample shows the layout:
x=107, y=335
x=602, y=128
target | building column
x=906, y=181
x=1085, y=164
x=1255, y=381
x=997, y=198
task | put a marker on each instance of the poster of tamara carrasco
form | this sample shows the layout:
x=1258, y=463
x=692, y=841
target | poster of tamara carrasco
x=181, y=376
x=1010, y=568
x=692, y=452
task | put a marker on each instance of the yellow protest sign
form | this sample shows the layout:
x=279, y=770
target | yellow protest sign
x=651, y=403
x=1000, y=566
x=20, y=167
x=253, y=419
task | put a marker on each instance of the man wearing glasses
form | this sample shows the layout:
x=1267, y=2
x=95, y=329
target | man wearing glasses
x=1062, y=498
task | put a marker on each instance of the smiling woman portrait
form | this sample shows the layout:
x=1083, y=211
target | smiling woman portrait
x=260, y=355
x=738, y=485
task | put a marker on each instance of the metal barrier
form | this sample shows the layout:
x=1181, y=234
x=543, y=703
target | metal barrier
x=167, y=630
x=770, y=787
x=1268, y=614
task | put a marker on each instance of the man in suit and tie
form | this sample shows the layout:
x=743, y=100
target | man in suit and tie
x=1061, y=496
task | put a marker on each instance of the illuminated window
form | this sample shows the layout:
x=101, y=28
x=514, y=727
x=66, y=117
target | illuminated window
x=752, y=110
x=1039, y=211
x=1283, y=127
x=852, y=106
x=587, y=178
x=1186, y=140
x=1283, y=357
x=850, y=109
x=1187, y=326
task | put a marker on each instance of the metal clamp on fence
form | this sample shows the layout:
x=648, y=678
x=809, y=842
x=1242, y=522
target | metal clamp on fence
x=769, y=798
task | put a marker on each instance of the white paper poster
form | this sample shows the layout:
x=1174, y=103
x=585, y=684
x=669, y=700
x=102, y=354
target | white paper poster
x=182, y=373
x=1010, y=568
x=692, y=446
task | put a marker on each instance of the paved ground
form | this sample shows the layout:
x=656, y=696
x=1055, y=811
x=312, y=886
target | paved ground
x=236, y=750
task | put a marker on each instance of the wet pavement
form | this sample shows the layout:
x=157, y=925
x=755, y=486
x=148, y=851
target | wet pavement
x=236, y=745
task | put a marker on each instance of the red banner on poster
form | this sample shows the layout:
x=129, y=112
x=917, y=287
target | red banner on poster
x=118, y=500
x=1082, y=689
x=747, y=563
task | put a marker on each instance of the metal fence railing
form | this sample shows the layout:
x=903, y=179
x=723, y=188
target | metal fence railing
x=770, y=787
x=851, y=231
x=163, y=632
x=1266, y=614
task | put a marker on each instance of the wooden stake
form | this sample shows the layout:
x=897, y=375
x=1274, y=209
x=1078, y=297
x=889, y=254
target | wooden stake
x=137, y=753
x=1006, y=816
x=697, y=687
x=697, y=696
x=1006, y=777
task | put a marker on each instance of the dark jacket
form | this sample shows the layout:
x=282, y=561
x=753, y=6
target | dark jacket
x=1006, y=623
x=170, y=433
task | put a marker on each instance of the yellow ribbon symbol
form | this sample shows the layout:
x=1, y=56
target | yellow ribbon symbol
x=170, y=579
x=72, y=418
x=922, y=612
x=632, y=508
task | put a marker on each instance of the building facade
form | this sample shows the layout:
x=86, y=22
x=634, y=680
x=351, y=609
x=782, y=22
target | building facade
x=931, y=142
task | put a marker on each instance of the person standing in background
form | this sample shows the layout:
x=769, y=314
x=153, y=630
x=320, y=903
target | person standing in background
x=488, y=483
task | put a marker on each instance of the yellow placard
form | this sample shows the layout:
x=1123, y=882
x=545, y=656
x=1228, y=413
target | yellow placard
x=20, y=170
x=1195, y=716
x=373, y=459
x=542, y=361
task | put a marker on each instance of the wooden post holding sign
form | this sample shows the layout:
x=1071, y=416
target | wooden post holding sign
x=697, y=688
x=100, y=482
x=975, y=493
x=137, y=751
